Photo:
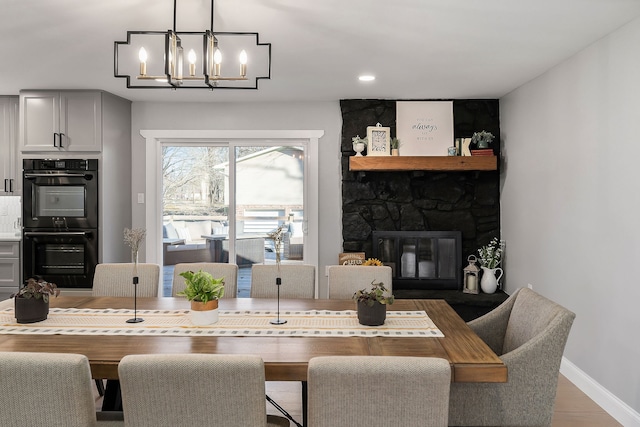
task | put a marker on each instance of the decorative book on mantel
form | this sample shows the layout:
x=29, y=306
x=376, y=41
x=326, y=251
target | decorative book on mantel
x=482, y=152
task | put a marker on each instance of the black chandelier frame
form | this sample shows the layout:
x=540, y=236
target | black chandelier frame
x=173, y=49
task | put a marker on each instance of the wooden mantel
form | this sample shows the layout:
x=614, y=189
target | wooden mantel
x=425, y=163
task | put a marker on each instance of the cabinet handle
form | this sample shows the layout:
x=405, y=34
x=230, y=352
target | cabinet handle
x=10, y=185
x=54, y=139
x=61, y=135
x=5, y=185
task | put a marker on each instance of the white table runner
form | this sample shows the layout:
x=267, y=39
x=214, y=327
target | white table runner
x=73, y=321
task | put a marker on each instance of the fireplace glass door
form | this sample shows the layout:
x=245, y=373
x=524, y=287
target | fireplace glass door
x=421, y=259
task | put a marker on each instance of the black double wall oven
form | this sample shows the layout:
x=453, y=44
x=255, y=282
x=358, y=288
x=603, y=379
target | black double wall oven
x=60, y=220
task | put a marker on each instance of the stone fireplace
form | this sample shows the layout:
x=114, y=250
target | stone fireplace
x=419, y=201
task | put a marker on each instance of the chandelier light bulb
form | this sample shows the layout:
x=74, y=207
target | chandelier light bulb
x=192, y=62
x=217, y=60
x=142, y=56
x=243, y=63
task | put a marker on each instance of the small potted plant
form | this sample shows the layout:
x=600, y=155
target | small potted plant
x=395, y=146
x=372, y=304
x=32, y=300
x=359, y=144
x=482, y=140
x=203, y=290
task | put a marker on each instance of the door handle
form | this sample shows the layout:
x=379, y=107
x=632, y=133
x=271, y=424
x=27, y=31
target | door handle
x=61, y=135
x=55, y=233
x=11, y=185
x=5, y=185
x=54, y=139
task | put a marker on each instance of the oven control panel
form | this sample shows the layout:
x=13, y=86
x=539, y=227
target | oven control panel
x=60, y=164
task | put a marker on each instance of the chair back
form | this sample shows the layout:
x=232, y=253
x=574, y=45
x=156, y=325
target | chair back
x=217, y=269
x=46, y=389
x=529, y=333
x=193, y=389
x=532, y=315
x=365, y=391
x=298, y=281
x=116, y=280
x=344, y=280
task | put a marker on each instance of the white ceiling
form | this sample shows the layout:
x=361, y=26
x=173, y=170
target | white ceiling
x=418, y=49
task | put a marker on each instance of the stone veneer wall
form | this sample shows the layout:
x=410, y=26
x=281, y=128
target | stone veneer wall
x=419, y=200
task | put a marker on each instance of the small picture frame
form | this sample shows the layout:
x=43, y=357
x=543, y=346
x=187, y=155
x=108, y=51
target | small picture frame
x=379, y=139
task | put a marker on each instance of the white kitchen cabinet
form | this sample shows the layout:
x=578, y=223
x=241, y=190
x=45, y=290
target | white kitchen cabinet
x=60, y=121
x=9, y=267
x=11, y=184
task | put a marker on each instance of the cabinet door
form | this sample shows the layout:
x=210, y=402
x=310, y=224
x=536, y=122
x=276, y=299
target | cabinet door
x=11, y=181
x=81, y=121
x=39, y=121
x=10, y=272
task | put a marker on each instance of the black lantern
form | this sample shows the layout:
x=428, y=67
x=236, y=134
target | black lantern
x=471, y=283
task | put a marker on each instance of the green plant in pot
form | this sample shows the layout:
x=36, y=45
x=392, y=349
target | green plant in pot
x=203, y=290
x=482, y=139
x=372, y=304
x=32, y=300
x=395, y=146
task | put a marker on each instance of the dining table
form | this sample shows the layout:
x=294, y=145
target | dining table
x=285, y=357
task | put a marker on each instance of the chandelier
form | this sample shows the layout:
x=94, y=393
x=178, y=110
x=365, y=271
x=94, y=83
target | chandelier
x=156, y=59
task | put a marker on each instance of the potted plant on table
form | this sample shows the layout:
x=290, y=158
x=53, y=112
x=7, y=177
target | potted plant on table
x=203, y=290
x=32, y=300
x=372, y=304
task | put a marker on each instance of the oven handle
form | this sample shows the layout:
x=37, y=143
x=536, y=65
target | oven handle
x=55, y=233
x=56, y=175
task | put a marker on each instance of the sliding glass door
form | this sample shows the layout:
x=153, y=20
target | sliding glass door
x=221, y=200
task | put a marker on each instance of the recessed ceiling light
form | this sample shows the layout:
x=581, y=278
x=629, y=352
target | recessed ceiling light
x=367, y=78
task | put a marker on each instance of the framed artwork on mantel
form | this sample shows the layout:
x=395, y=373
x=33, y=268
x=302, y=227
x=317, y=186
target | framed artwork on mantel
x=424, y=127
x=378, y=138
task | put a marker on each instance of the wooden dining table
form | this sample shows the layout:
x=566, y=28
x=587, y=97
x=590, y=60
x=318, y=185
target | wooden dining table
x=285, y=357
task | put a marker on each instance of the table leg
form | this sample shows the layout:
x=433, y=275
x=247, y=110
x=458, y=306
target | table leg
x=304, y=403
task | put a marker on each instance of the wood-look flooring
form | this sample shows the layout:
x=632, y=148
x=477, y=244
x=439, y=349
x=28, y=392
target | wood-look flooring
x=573, y=408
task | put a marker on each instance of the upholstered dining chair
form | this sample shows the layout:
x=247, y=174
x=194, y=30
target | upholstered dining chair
x=116, y=280
x=365, y=391
x=48, y=389
x=344, y=280
x=217, y=269
x=298, y=281
x=195, y=389
x=528, y=332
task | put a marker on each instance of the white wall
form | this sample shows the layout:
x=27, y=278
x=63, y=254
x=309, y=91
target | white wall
x=571, y=202
x=262, y=116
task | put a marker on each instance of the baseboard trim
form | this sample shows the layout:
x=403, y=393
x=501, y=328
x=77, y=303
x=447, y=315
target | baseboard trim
x=615, y=407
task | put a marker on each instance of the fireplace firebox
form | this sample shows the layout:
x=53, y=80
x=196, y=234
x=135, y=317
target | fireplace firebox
x=421, y=259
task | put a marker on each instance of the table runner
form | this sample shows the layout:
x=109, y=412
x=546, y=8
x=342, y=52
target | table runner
x=75, y=321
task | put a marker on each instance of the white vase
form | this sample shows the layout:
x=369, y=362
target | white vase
x=358, y=148
x=489, y=282
x=203, y=314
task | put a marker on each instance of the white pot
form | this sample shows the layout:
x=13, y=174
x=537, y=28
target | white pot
x=489, y=282
x=204, y=314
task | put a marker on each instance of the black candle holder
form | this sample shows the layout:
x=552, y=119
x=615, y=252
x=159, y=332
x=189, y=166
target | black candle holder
x=278, y=321
x=135, y=319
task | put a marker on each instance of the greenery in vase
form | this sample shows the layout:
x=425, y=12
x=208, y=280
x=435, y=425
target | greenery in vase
x=357, y=140
x=37, y=288
x=395, y=143
x=202, y=286
x=134, y=238
x=376, y=293
x=482, y=138
x=491, y=254
x=277, y=236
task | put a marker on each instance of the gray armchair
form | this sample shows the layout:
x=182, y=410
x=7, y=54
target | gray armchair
x=529, y=333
